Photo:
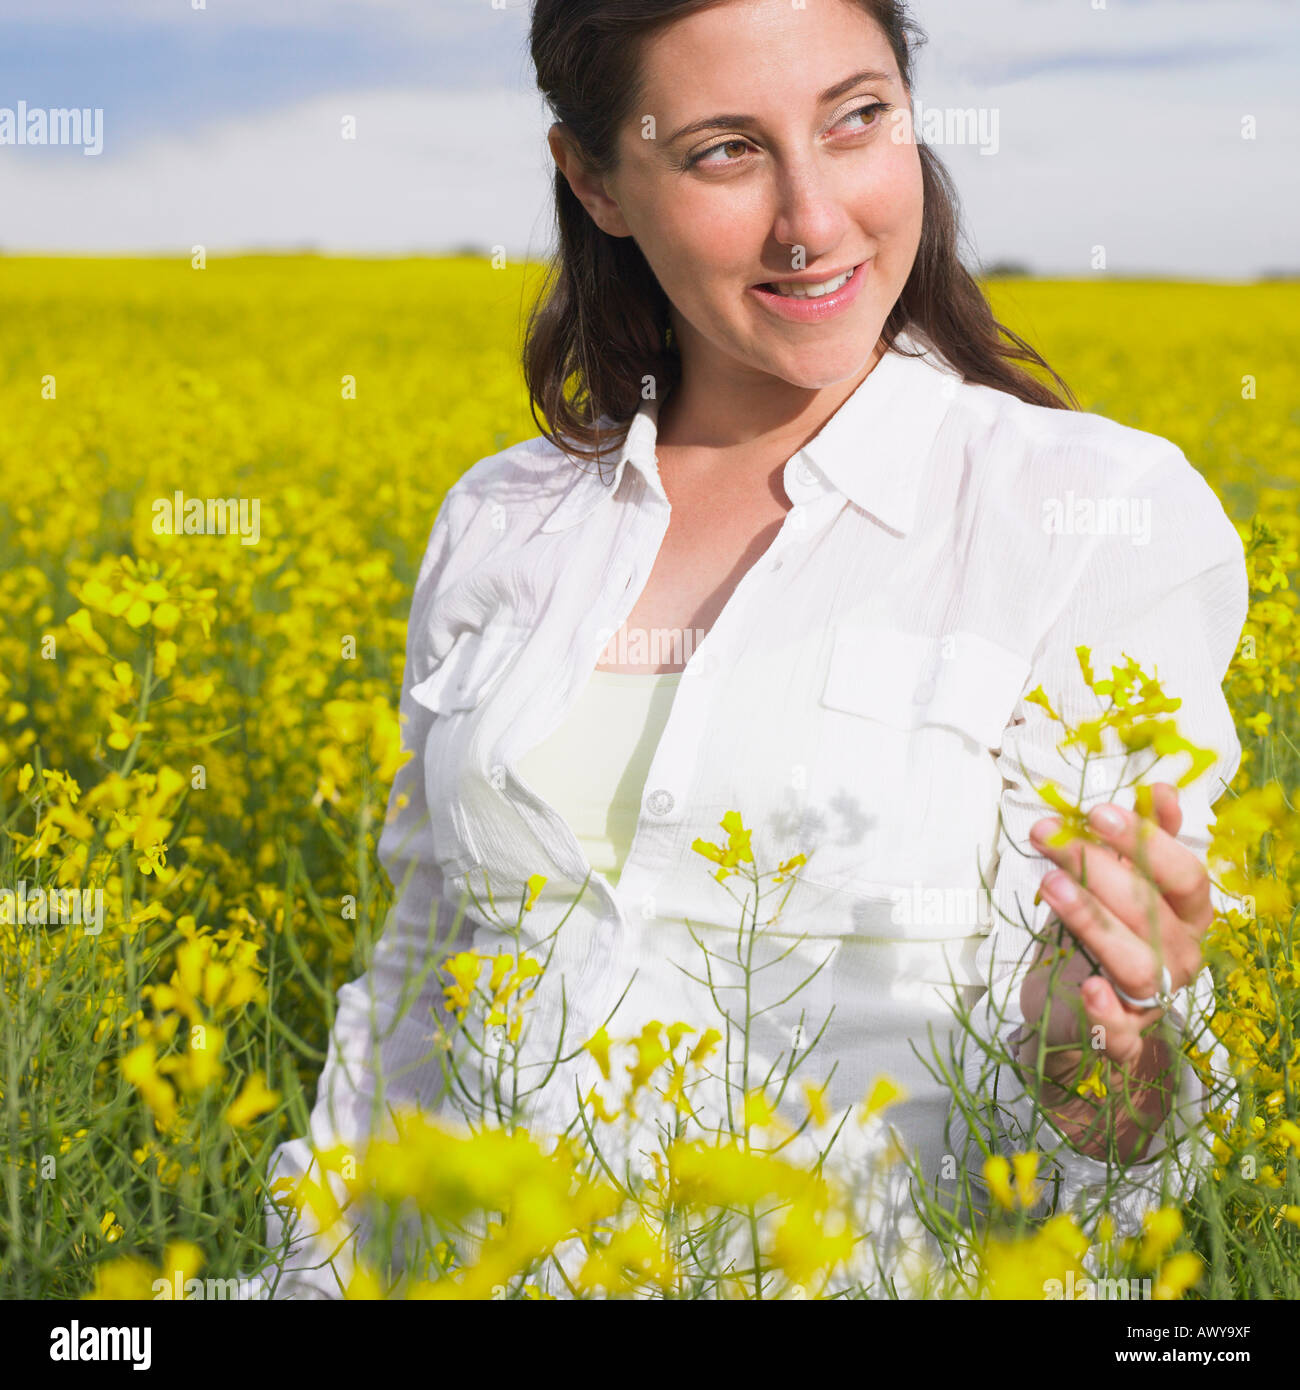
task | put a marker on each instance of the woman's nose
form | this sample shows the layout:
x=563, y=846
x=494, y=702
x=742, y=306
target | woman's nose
x=810, y=213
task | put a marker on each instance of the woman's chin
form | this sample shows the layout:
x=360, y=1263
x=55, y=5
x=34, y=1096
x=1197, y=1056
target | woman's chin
x=815, y=369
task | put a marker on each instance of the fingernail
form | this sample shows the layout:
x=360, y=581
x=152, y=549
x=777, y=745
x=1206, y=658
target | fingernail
x=1060, y=885
x=1105, y=818
x=1040, y=830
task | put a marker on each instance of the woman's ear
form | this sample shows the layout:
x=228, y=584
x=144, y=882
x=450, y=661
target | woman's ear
x=588, y=187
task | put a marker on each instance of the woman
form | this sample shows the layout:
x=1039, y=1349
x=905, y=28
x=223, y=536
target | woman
x=839, y=511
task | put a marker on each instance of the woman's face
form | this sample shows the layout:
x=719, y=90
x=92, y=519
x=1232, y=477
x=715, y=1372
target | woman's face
x=794, y=181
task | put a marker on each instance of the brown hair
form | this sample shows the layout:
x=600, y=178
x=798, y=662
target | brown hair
x=599, y=325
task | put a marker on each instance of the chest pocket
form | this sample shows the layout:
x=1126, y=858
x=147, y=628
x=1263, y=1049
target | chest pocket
x=468, y=669
x=906, y=785
x=960, y=681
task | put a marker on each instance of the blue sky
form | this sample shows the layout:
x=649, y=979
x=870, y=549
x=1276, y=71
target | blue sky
x=1118, y=125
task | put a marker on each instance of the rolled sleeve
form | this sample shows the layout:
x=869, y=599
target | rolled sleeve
x=1176, y=606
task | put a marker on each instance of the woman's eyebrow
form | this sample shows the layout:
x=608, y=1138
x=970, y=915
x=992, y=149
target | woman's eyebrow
x=718, y=122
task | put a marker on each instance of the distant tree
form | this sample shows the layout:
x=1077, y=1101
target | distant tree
x=1006, y=270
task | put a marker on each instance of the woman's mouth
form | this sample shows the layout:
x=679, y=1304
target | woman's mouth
x=804, y=302
x=794, y=290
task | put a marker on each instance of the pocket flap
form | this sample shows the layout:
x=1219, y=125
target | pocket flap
x=472, y=666
x=904, y=679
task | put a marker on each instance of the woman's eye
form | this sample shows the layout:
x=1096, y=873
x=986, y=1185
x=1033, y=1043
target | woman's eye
x=870, y=110
x=713, y=149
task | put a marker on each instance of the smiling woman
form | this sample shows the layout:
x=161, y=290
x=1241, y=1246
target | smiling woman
x=703, y=163
x=828, y=459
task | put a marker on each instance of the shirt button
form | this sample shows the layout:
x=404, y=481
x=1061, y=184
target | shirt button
x=659, y=802
x=805, y=474
x=777, y=563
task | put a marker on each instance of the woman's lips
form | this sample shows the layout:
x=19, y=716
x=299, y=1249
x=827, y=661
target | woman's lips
x=812, y=310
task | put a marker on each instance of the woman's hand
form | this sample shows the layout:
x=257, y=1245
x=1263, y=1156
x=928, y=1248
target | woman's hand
x=1129, y=923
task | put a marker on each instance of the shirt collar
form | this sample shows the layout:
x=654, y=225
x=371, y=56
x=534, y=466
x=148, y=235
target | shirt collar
x=872, y=450
x=588, y=489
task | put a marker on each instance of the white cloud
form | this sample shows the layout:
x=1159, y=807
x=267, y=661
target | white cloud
x=1122, y=128
x=423, y=16
x=426, y=171
x=1118, y=127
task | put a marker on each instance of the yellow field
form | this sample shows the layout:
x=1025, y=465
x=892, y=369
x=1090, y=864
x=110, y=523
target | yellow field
x=205, y=729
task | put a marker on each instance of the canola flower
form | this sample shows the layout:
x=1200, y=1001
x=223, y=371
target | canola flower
x=202, y=732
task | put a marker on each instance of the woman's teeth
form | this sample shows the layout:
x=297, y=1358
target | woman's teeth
x=793, y=291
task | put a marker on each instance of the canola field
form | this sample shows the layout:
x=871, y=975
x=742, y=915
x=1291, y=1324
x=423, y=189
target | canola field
x=198, y=732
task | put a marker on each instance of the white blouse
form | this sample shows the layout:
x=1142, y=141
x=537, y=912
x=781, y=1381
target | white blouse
x=860, y=699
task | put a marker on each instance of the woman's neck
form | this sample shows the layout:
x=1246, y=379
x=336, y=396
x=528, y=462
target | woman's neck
x=713, y=412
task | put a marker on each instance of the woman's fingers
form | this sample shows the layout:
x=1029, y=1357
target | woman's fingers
x=1116, y=883
x=1121, y=1027
x=1125, y=957
x=1164, y=797
x=1181, y=896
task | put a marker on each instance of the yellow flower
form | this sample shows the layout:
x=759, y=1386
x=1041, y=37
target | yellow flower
x=651, y=1053
x=164, y=661
x=536, y=882
x=737, y=850
x=128, y=1278
x=165, y=616
x=997, y=1173
x=1038, y=696
x=363, y=1285
x=603, y=1112
x=140, y=1068
x=1025, y=1166
x=789, y=868
x=254, y=1099
x=707, y=1043
x=464, y=969
x=598, y=1046
x=1178, y=1274
x=811, y=1241
x=155, y=858
x=631, y=1257
x=757, y=1110
x=80, y=623
x=1092, y=1084
x=183, y=1258
x=1159, y=1231
x=1024, y=1269
x=307, y=1192
x=815, y=1097
x=1162, y=736
x=885, y=1091
x=110, y=1226
x=1074, y=821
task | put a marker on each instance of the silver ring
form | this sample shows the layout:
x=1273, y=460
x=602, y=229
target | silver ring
x=1162, y=999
